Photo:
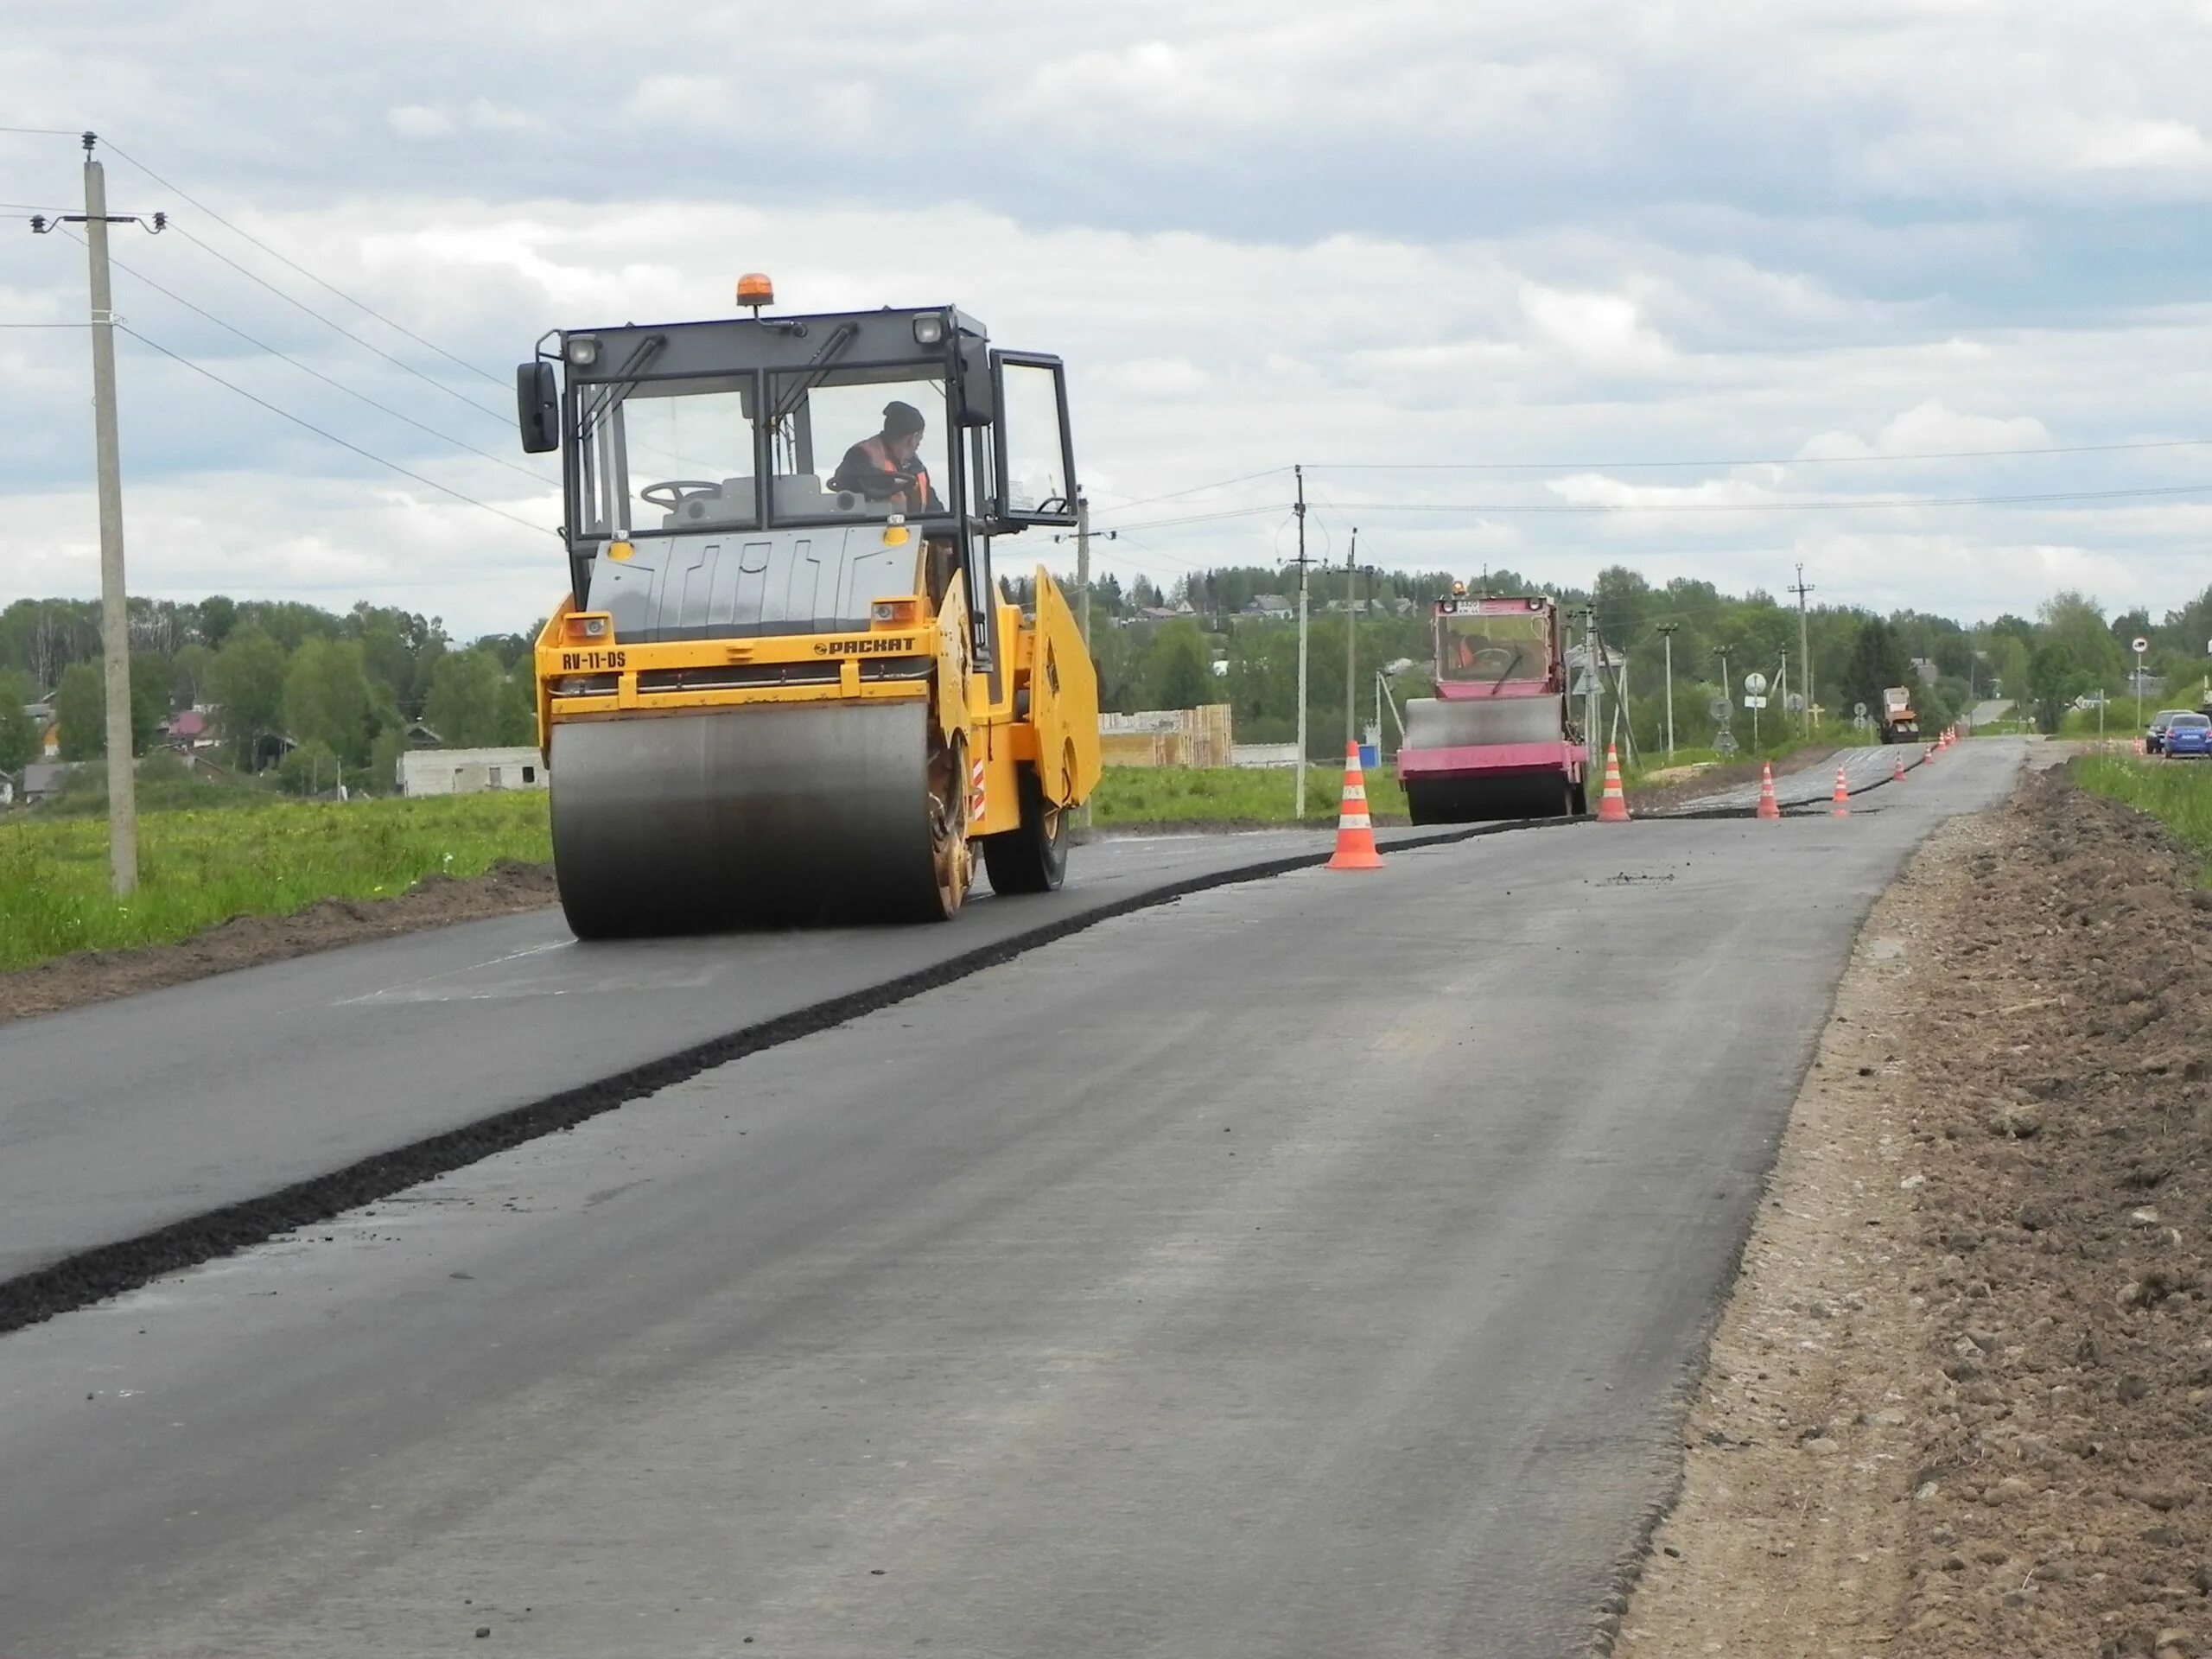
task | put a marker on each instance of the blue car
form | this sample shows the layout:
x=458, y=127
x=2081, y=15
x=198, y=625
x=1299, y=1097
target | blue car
x=2188, y=736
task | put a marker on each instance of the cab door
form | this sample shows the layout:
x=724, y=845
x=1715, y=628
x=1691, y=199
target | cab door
x=1035, y=453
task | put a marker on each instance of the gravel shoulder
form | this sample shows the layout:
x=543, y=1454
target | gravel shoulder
x=1956, y=1404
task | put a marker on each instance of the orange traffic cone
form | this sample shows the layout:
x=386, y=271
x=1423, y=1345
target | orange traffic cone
x=1928, y=759
x=1841, y=809
x=1612, y=805
x=1897, y=766
x=1355, y=830
x=1769, y=807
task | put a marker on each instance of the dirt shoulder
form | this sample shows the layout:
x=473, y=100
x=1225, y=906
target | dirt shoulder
x=246, y=941
x=1956, y=1403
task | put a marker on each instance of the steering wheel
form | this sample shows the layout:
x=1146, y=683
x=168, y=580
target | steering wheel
x=680, y=490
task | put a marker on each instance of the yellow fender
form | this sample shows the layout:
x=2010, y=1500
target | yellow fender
x=1063, y=700
x=954, y=664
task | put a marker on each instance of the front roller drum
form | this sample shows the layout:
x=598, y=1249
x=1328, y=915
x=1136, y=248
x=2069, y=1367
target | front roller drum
x=765, y=815
x=1491, y=800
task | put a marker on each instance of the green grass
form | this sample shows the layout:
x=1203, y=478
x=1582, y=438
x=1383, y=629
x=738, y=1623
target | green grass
x=2120, y=720
x=2177, y=792
x=199, y=867
x=1128, y=795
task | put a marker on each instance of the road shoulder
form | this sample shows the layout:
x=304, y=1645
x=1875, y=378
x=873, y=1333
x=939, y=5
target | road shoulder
x=1953, y=1403
x=508, y=888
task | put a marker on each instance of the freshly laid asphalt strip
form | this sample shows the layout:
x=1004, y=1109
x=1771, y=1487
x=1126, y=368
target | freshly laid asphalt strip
x=141, y=1136
x=1810, y=789
x=1311, y=1267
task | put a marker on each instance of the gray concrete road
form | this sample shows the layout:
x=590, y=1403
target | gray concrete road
x=124, y=1116
x=1309, y=1267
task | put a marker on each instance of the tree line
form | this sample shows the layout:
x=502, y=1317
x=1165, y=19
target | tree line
x=309, y=693
x=1222, y=652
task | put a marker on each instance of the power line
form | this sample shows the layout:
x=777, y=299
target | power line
x=45, y=325
x=1793, y=460
x=1860, y=503
x=43, y=132
x=1205, y=517
x=501, y=416
x=443, y=438
x=1157, y=553
x=361, y=305
x=1195, y=489
x=392, y=465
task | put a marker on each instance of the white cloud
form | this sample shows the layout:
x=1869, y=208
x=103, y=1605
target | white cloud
x=2111, y=146
x=419, y=121
x=326, y=541
x=1933, y=428
x=706, y=103
x=484, y=116
x=1604, y=331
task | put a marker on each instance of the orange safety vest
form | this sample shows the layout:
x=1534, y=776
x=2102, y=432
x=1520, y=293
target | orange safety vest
x=877, y=451
x=881, y=454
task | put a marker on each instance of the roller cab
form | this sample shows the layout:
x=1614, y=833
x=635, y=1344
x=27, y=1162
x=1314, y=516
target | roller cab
x=786, y=685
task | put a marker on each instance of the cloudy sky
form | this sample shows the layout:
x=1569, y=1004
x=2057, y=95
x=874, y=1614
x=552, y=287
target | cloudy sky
x=1706, y=289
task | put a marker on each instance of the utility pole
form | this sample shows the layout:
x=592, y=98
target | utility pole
x=1667, y=636
x=1352, y=644
x=1083, y=604
x=1624, y=721
x=1590, y=671
x=1804, y=648
x=1297, y=799
x=1083, y=568
x=115, y=604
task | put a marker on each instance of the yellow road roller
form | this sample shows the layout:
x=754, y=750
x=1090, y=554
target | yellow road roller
x=785, y=687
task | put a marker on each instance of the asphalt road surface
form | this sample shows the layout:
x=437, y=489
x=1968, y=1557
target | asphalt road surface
x=1308, y=1267
x=1815, y=785
x=123, y=1116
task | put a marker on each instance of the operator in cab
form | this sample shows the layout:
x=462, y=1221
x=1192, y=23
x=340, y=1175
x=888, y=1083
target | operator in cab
x=887, y=467
x=1467, y=650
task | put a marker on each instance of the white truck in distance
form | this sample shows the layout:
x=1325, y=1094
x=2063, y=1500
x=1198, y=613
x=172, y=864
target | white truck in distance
x=1899, y=723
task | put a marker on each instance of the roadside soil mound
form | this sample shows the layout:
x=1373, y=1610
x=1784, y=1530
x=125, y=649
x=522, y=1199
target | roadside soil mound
x=435, y=901
x=1958, y=1402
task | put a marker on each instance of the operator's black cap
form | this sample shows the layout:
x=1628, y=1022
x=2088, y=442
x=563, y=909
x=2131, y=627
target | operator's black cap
x=900, y=419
